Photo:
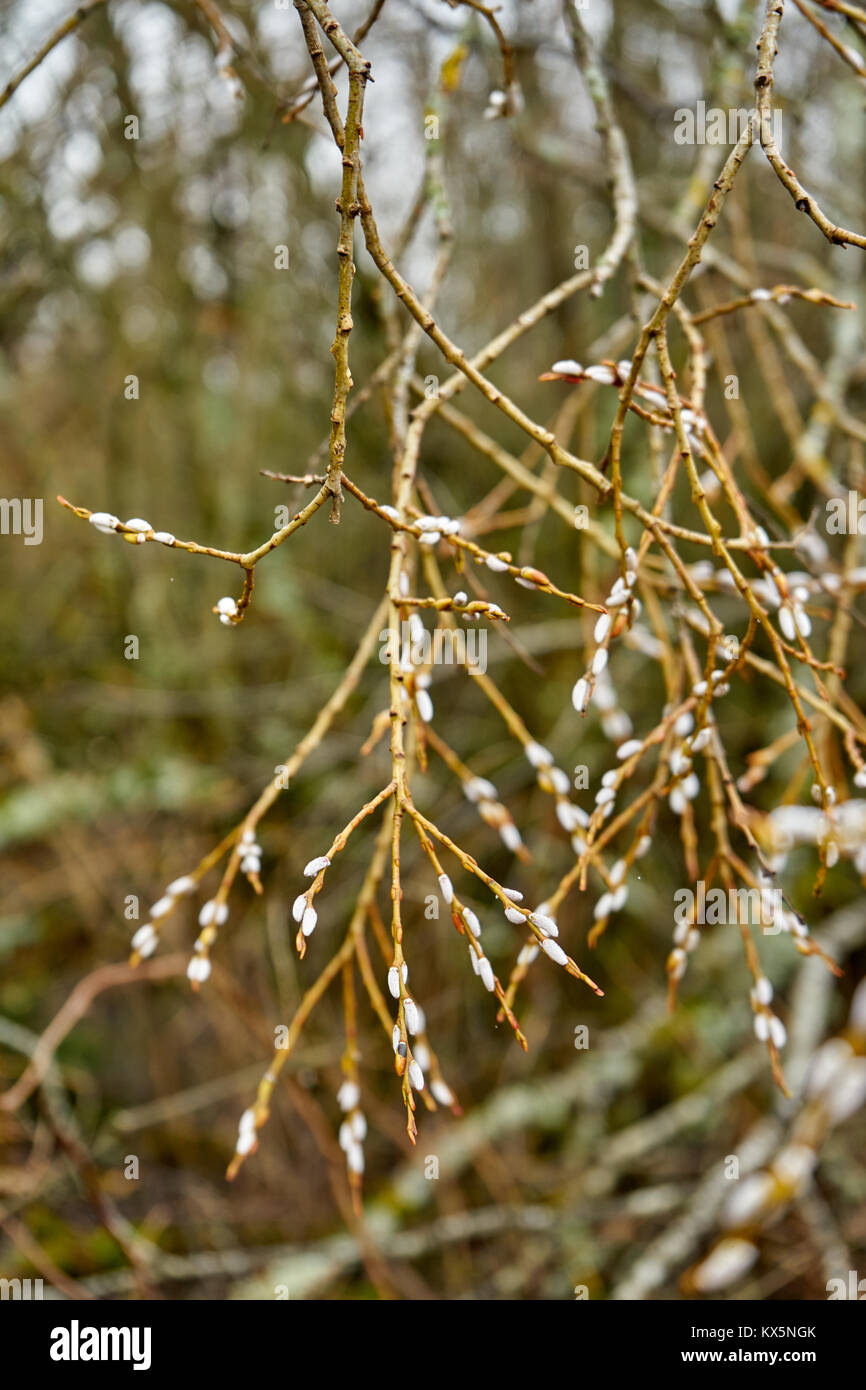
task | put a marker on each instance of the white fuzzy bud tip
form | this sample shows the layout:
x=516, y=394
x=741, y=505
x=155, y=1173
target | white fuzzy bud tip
x=729, y=1261
x=348, y=1095
x=442, y=1092
x=554, y=951
x=538, y=755
x=472, y=922
x=510, y=836
x=546, y=925
x=104, y=522
x=315, y=866
x=580, y=695
x=602, y=628
x=631, y=745
x=198, y=969
x=145, y=941
x=180, y=886
x=485, y=971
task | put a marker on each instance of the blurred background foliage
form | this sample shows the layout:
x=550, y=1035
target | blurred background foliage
x=155, y=257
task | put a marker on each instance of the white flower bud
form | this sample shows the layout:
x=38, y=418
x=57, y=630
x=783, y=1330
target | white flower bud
x=603, y=907
x=538, y=755
x=479, y=789
x=309, y=920
x=299, y=907
x=778, y=1032
x=207, y=913
x=416, y=1075
x=472, y=921
x=849, y=1091
x=441, y=1092
x=198, y=969
x=827, y=1064
x=728, y=1262
x=570, y=816
x=394, y=982
x=162, y=906
x=180, y=886
x=580, y=695
x=601, y=629
x=315, y=866
x=510, y=836
x=348, y=1095
x=485, y=971
x=552, y=949
x=145, y=941
x=105, y=522
x=857, y=1013
x=546, y=925
x=793, y=1165
x=701, y=739
x=763, y=990
x=605, y=376
x=631, y=745
x=749, y=1199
